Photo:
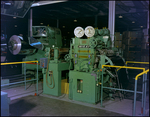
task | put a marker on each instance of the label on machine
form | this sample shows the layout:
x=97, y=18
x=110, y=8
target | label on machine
x=83, y=46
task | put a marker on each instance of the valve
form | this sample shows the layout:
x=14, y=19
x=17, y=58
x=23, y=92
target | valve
x=93, y=43
x=67, y=57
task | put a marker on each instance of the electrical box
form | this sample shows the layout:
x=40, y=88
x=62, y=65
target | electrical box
x=4, y=104
x=43, y=62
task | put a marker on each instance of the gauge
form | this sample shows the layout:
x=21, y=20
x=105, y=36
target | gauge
x=89, y=31
x=78, y=31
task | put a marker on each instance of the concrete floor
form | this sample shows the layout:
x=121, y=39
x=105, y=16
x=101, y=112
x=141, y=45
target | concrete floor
x=31, y=105
x=43, y=106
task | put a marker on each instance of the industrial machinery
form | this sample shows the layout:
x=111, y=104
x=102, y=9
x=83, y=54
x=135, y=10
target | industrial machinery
x=44, y=46
x=87, y=57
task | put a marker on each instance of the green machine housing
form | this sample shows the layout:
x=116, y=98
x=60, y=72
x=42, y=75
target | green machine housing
x=45, y=45
x=87, y=57
x=48, y=37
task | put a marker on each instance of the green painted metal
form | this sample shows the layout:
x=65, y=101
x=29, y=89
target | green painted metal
x=25, y=74
x=102, y=90
x=84, y=87
x=53, y=38
x=37, y=80
x=85, y=53
x=57, y=69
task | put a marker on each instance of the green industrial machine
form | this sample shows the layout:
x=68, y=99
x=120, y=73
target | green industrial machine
x=45, y=45
x=48, y=37
x=87, y=55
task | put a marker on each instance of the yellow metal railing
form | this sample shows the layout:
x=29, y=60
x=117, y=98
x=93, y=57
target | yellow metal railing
x=18, y=62
x=123, y=67
x=136, y=78
x=27, y=62
x=136, y=62
x=144, y=72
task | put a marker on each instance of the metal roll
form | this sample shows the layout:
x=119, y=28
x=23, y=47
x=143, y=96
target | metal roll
x=16, y=46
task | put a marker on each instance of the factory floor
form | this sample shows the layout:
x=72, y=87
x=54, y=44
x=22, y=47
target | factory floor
x=25, y=103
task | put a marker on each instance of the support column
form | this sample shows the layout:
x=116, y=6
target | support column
x=111, y=22
x=30, y=24
x=145, y=31
x=57, y=23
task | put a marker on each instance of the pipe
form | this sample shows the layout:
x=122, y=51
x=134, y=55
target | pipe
x=17, y=82
x=122, y=90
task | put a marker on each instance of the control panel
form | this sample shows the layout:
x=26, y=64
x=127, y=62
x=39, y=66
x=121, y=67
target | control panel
x=43, y=62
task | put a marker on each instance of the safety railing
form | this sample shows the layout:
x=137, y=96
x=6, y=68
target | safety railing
x=136, y=62
x=143, y=87
x=135, y=89
x=25, y=81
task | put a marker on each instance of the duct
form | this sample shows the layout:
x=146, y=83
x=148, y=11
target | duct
x=15, y=8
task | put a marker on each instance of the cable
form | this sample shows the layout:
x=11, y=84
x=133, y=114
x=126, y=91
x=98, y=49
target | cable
x=48, y=67
x=53, y=82
x=50, y=75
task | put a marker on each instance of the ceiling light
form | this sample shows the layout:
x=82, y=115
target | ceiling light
x=7, y=3
x=41, y=23
x=14, y=17
x=15, y=25
x=75, y=20
x=63, y=26
x=46, y=3
x=120, y=16
x=133, y=21
x=141, y=26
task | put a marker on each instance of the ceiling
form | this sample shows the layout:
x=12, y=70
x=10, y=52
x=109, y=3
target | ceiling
x=130, y=10
x=85, y=12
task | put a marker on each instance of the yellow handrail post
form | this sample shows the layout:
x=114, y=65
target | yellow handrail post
x=136, y=78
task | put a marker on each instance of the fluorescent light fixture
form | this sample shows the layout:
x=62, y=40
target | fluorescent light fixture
x=46, y=2
x=41, y=23
x=63, y=26
x=120, y=16
x=75, y=20
x=14, y=17
x=15, y=25
x=141, y=26
x=7, y=3
x=133, y=21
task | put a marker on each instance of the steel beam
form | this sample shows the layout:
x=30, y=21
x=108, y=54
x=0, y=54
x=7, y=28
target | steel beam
x=111, y=22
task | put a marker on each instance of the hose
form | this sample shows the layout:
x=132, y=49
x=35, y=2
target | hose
x=50, y=76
